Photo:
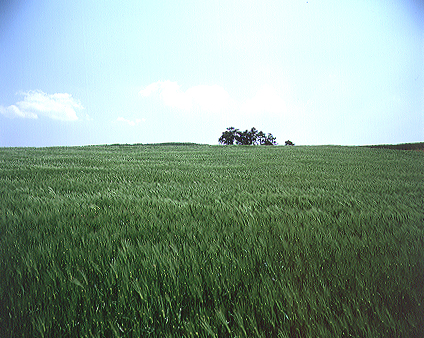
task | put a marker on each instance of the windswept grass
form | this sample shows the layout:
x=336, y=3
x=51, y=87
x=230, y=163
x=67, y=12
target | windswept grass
x=211, y=241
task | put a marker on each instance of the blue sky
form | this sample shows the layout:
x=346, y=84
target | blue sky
x=315, y=72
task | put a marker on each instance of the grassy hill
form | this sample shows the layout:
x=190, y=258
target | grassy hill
x=402, y=146
x=211, y=241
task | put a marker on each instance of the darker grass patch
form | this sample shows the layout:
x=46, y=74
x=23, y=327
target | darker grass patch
x=402, y=146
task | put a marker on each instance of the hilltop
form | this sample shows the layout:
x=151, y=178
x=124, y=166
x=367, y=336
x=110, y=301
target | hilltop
x=401, y=146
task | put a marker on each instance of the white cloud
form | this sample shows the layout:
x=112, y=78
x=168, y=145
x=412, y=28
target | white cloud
x=265, y=100
x=150, y=89
x=212, y=99
x=208, y=98
x=170, y=93
x=215, y=99
x=13, y=111
x=59, y=106
x=130, y=122
x=174, y=97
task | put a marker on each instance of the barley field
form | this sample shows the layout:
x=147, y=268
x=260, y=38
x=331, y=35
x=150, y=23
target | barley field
x=186, y=240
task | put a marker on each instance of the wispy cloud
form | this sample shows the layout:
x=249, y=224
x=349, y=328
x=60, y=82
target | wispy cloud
x=131, y=122
x=14, y=111
x=266, y=100
x=214, y=99
x=59, y=106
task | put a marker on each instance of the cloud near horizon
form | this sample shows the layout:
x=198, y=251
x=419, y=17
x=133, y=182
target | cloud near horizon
x=59, y=106
x=214, y=99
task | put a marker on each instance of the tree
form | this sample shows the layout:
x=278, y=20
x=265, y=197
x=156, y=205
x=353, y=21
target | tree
x=253, y=135
x=261, y=138
x=247, y=137
x=270, y=140
x=289, y=143
x=242, y=138
x=228, y=136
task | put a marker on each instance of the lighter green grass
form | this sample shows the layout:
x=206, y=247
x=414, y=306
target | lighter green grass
x=211, y=241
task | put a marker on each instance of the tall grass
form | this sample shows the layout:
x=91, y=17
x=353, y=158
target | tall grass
x=211, y=241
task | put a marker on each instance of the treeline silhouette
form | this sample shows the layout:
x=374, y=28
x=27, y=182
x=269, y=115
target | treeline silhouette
x=247, y=137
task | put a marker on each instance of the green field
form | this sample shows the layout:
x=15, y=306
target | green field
x=211, y=241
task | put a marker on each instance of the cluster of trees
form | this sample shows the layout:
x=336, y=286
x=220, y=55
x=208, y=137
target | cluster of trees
x=247, y=137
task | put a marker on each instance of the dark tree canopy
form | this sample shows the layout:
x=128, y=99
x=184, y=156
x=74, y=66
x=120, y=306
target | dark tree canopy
x=247, y=137
x=228, y=136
